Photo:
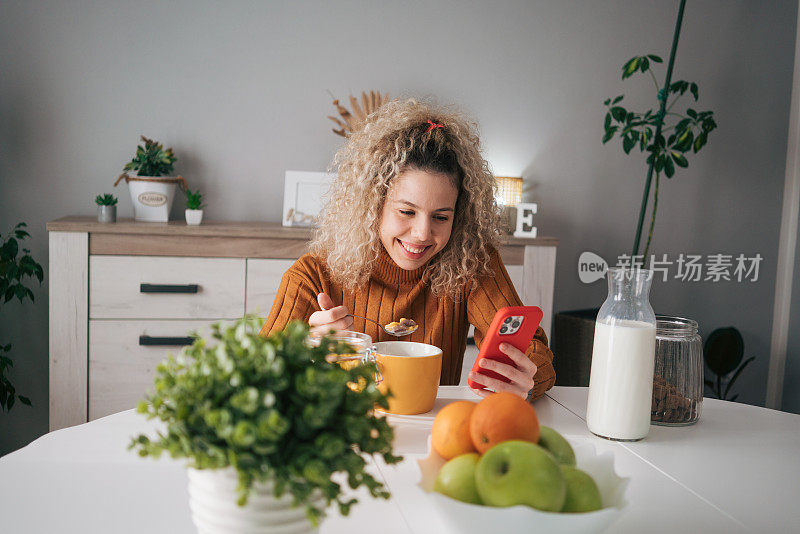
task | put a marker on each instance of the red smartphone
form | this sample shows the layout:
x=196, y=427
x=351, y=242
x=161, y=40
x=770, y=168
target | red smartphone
x=515, y=325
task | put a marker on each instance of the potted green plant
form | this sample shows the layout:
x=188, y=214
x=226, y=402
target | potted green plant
x=266, y=424
x=106, y=208
x=14, y=269
x=152, y=188
x=194, y=207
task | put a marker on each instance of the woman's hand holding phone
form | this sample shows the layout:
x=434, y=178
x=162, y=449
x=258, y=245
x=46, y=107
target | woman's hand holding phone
x=501, y=364
x=331, y=317
x=520, y=375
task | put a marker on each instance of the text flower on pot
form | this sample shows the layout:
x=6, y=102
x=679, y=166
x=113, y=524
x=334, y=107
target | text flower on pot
x=272, y=408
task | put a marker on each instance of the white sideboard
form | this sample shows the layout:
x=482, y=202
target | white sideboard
x=122, y=295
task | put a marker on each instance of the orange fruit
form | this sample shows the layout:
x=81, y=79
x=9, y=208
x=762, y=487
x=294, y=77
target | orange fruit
x=502, y=417
x=450, y=433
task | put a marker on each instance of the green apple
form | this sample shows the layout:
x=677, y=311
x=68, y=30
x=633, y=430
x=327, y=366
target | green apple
x=519, y=472
x=557, y=445
x=582, y=492
x=456, y=479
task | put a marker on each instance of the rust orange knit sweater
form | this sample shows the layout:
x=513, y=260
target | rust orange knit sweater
x=393, y=292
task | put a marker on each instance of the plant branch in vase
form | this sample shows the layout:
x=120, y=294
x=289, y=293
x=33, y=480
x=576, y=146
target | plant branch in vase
x=666, y=135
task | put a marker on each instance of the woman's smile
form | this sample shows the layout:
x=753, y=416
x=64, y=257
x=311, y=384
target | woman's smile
x=414, y=252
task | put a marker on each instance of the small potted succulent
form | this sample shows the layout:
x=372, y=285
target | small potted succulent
x=194, y=207
x=266, y=424
x=106, y=208
x=152, y=188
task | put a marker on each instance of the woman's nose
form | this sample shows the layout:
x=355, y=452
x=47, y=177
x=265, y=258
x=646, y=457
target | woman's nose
x=422, y=229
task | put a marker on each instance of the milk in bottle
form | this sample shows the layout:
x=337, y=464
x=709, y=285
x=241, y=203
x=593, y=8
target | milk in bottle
x=621, y=379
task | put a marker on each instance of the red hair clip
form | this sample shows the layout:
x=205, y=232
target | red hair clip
x=433, y=125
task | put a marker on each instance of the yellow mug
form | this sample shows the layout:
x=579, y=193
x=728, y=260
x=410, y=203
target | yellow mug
x=411, y=371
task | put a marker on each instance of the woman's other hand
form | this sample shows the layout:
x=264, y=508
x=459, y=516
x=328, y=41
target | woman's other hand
x=332, y=317
x=520, y=374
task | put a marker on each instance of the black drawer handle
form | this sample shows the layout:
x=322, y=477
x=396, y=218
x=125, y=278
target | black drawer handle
x=167, y=288
x=150, y=341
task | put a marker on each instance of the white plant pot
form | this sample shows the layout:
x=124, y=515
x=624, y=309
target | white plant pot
x=152, y=200
x=194, y=217
x=212, y=501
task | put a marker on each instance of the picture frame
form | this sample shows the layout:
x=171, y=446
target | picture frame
x=303, y=193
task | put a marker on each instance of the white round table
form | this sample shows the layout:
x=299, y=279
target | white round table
x=736, y=470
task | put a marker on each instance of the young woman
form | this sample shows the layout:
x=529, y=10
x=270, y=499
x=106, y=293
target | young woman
x=411, y=229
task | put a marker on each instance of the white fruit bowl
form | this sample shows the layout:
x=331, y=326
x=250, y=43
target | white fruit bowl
x=473, y=518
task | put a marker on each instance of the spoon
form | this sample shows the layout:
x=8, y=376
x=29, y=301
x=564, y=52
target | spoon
x=401, y=333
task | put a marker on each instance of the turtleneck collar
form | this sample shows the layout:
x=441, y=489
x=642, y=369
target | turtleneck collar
x=387, y=271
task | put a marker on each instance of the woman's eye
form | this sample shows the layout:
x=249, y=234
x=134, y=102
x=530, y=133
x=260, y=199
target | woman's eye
x=407, y=212
x=441, y=218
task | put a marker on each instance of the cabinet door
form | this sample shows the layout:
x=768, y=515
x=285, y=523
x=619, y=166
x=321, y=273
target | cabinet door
x=515, y=272
x=122, y=364
x=263, y=278
x=150, y=287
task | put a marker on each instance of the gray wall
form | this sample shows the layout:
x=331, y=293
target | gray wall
x=239, y=91
x=791, y=377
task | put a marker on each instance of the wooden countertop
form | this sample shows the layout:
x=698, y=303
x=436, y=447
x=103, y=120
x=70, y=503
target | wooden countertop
x=217, y=229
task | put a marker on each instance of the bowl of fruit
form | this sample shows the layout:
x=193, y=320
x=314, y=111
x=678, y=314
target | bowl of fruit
x=492, y=464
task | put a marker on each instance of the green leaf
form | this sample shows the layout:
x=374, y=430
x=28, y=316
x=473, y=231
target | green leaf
x=682, y=125
x=609, y=133
x=659, y=165
x=10, y=248
x=669, y=168
x=655, y=58
x=630, y=67
x=680, y=159
x=644, y=64
x=607, y=101
x=619, y=113
x=692, y=113
x=24, y=400
x=617, y=99
x=628, y=143
x=684, y=141
x=607, y=123
x=694, y=90
x=699, y=141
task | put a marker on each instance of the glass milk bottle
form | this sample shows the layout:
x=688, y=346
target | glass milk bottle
x=621, y=379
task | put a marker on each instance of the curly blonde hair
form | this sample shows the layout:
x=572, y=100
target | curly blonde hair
x=393, y=139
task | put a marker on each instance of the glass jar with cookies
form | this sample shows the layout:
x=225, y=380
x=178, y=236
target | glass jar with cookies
x=678, y=376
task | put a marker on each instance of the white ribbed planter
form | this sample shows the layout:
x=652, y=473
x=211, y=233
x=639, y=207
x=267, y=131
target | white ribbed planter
x=212, y=501
x=194, y=217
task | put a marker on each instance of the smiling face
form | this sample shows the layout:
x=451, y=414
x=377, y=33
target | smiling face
x=417, y=217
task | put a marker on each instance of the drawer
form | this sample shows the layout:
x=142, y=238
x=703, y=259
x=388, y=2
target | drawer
x=175, y=288
x=121, y=370
x=263, y=279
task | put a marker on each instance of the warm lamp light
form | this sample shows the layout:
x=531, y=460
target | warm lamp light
x=509, y=190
